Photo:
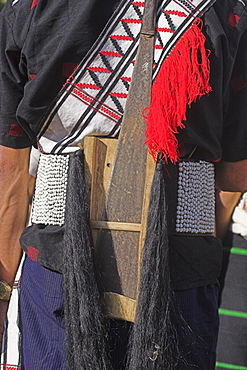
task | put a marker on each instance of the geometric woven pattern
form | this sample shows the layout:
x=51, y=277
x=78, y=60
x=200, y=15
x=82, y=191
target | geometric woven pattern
x=94, y=97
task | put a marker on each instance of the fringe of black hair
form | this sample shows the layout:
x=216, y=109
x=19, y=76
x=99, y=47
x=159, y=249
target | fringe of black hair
x=84, y=322
x=154, y=343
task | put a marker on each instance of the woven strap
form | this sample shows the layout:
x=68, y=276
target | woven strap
x=93, y=99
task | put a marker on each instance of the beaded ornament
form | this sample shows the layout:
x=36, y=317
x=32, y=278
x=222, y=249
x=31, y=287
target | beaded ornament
x=196, y=201
x=50, y=192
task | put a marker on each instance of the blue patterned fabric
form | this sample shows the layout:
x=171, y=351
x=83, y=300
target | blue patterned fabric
x=199, y=308
x=41, y=310
x=42, y=323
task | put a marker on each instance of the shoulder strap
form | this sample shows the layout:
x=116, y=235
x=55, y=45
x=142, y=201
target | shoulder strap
x=94, y=97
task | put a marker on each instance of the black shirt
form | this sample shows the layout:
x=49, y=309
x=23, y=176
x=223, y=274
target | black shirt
x=46, y=40
x=41, y=44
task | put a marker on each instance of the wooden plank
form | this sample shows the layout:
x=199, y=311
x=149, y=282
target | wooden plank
x=119, y=307
x=117, y=262
x=117, y=251
x=107, y=225
x=150, y=168
x=104, y=153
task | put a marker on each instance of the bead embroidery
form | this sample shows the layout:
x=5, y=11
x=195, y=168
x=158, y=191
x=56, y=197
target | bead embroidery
x=196, y=201
x=50, y=192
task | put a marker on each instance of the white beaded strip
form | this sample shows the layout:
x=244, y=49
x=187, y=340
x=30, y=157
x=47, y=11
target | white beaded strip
x=50, y=191
x=196, y=198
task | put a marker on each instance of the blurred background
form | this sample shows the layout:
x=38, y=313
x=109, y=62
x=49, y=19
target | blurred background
x=2, y=2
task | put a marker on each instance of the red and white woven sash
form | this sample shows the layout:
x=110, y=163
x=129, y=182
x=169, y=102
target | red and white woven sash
x=93, y=98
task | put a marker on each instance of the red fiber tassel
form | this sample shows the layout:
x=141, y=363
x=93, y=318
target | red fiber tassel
x=182, y=79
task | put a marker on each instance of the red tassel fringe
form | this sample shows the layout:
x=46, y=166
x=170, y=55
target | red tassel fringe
x=176, y=88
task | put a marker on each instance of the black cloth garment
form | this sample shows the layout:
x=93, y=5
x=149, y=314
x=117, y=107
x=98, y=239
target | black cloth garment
x=42, y=288
x=41, y=43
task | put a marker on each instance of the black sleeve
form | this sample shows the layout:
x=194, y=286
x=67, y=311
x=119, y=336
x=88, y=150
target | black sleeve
x=12, y=81
x=234, y=146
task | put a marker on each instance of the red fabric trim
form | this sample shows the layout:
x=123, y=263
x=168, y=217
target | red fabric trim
x=238, y=83
x=86, y=86
x=131, y=20
x=104, y=110
x=16, y=130
x=68, y=68
x=99, y=69
x=32, y=77
x=119, y=95
x=32, y=253
x=119, y=37
x=109, y=112
x=110, y=54
x=128, y=79
x=160, y=29
x=137, y=3
x=191, y=4
x=174, y=12
x=34, y=3
x=233, y=19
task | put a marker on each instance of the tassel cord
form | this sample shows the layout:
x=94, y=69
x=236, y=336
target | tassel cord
x=175, y=89
x=160, y=338
x=154, y=337
x=85, y=333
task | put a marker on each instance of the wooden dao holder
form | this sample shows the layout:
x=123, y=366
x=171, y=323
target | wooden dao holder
x=121, y=219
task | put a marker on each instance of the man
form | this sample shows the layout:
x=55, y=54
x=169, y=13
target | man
x=34, y=67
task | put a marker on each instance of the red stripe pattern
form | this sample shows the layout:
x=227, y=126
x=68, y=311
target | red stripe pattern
x=103, y=80
x=34, y=3
x=16, y=130
x=174, y=12
x=233, y=19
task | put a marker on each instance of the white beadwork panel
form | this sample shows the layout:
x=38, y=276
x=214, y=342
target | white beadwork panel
x=196, y=200
x=50, y=192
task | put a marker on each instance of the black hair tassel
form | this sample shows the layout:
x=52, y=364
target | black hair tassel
x=154, y=338
x=85, y=333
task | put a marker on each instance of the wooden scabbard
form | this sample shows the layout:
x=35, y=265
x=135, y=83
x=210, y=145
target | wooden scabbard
x=122, y=227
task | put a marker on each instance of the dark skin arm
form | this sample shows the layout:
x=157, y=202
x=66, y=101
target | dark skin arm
x=232, y=176
x=14, y=196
